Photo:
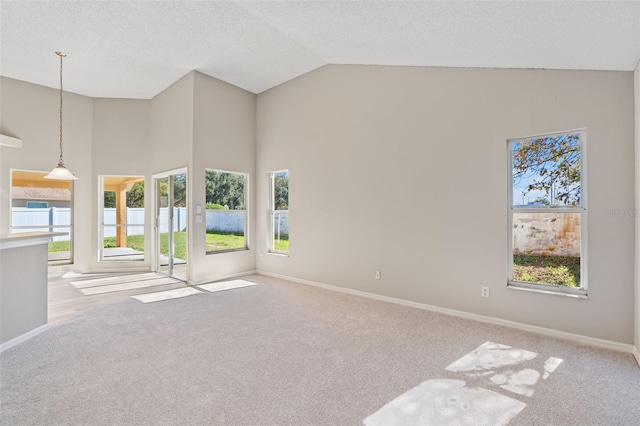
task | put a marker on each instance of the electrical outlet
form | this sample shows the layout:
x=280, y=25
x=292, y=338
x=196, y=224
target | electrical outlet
x=485, y=291
x=378, y=275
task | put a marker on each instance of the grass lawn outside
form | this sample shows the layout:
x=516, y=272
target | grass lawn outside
x=558, y=270
x=136, y=242
x=56, y=246
x=282, y=244
x=222, y=241
x=214, y=242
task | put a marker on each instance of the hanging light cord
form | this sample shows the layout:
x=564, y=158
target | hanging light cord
x=61, y=162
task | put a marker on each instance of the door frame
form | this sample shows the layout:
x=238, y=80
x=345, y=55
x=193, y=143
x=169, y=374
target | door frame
x=156, y=218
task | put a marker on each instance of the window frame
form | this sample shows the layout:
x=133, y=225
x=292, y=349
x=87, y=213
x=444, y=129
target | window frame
x=69, y=229
x=272, y=212
x=102, y=225
x=577, y=292
x=245, y=247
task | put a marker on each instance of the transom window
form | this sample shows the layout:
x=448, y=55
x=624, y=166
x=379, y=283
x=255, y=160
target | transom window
x=547, y=213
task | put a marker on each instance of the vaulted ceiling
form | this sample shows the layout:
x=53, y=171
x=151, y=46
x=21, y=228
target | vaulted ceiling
x=135, y=49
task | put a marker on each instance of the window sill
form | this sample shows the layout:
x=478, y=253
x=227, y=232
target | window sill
x=227, y=251
x=278, y=253
x=545, y=289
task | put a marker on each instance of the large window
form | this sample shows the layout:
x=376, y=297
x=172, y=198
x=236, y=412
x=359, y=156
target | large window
x=45, y=205
x=547, y=213
x=226, y=212
x=279, y=213
x=122, y=218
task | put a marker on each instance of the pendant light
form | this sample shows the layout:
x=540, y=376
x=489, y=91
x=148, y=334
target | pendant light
x=61, y=172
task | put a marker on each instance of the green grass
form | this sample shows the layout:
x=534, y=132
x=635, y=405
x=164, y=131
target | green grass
x=135, y=242
x=556, y=270
x=179, y=244
x=282, y=245
x=217, y=241
x=55, y=246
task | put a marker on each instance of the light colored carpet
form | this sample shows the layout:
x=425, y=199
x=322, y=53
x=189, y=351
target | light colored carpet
x=281, y=353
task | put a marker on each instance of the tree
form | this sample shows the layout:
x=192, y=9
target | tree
x=135, y=197
x=109, y=199
x=281, y=191
x=549, y=164
x=180, y=190
x=225, y=189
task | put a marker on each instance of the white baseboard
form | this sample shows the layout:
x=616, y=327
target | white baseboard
x=592, y=341
x=636, y=354
x=26, y=336
x=222, y=277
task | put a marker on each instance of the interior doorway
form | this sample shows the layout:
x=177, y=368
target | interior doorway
x=171, y=223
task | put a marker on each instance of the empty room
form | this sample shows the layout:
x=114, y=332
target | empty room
x=379, y=213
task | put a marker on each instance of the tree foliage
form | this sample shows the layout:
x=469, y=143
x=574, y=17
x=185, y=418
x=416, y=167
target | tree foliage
x=551, y=165
x=281, y=191
x=109, y=199
x=135, y=197
x=225, y=189
x=179, y=190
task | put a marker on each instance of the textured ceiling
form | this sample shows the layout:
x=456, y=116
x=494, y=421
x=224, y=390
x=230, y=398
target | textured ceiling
x=136, y=49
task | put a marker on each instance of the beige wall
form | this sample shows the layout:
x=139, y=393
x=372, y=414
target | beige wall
x=224, y=138
x=388, y=145
x=31, y=113
x=423, y=147
x=172, y=126
x=134, y=137
x=637, y=251
x=121, y=146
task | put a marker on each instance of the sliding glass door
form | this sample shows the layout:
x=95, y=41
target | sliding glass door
x=171, y=224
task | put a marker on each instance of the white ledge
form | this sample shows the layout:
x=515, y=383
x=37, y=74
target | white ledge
x=10, y=141
x=24, y=239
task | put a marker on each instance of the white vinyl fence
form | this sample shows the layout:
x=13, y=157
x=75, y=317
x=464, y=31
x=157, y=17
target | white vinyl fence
x=58, y=219
x=179, y=219
x=50, y=219
x=226, y=220
x=135, y=220
x=280, y=223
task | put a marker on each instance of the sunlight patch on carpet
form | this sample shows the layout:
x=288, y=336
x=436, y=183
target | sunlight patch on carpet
x=166, y=295
x=512, y=369
x=226, y=285
x=469, y=402
x=489, y=356
x=447, y=402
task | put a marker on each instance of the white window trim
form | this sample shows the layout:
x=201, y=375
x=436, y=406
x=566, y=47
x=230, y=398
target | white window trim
x=579, y=292
x=102, y=225
x=61, y=228
x=272, y=212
